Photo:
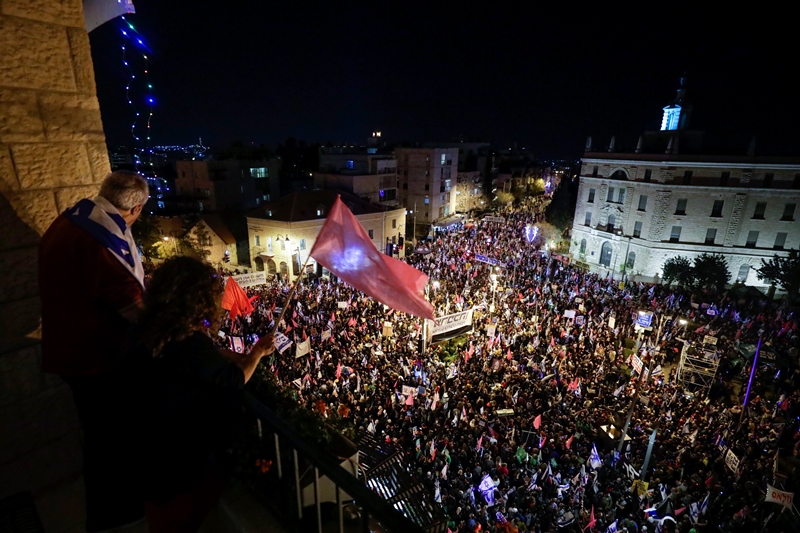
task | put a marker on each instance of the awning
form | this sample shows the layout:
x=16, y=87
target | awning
x=449, y=221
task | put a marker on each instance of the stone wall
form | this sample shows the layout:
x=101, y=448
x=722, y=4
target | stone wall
x=52, y=152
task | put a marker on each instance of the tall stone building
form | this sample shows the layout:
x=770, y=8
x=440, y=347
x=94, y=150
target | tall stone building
x=667, y=197
x=52, y=153
x=427, y=178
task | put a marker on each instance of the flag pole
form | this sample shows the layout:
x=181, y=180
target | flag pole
x=289, y=297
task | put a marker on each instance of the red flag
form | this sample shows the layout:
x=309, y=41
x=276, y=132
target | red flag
x=333, y=317
x=344, y=248
x=235, y=300
x=338, y=370
x=569, y=442
x=352, y=322
x=537, y=421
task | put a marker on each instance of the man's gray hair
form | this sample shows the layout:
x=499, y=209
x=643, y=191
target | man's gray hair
x=125, y=189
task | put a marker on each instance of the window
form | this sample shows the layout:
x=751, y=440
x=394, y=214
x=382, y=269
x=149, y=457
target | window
x=444, y=158
x=723, y=180
x=269, y=244
x=427, y=186
x=687, y=177
x=643, y=202
x=588, y=220
x=759, y=212
x=612, y=220
x=768, y=177
x=605, y=254
x=648, y=175
x=637, y=229
x=716, y=211
x=283, y=244
x=675, y=235
x=269, y=213
x=427, y=200
x=744, y=270
x=610, y=196
x=711, y=235
x=631, y=261
x=591, y=196
x=788, y=212
x=621, y=196
x=681, y=208
x=260, y=172
x=752, y=239
x=371, y=233
x=394, y=223
x=594, y=172
x=583, y=246
x=302, y=244
x=258, y=240
x=780, y=241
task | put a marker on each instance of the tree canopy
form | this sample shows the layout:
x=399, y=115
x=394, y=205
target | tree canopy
x=783, y=272
x=707, y=271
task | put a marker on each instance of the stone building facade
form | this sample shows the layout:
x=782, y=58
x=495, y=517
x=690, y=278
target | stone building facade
x=427, y=178
x=636, y=210
x=52, y=153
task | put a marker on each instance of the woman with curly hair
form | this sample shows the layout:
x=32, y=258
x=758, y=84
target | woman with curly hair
x=192, y=390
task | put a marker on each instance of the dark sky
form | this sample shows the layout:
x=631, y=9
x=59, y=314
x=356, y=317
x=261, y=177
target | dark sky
x=433, y=71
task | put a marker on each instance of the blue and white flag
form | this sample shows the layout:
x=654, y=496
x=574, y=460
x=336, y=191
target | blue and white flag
x=612, y=528
x=533, y=481
x=594, y=458
x=437, y=494
x=694, y=512
x=704, y=505
x=103, y=221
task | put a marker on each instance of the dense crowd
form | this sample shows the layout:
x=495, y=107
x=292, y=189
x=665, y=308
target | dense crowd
x=555, y=380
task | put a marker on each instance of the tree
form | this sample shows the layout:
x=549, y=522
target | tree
x=146, y=235
x=196, y=238
x=561, y=210
x=783, y=272
x=678, y=269
x=710, y=271
x=504, y=198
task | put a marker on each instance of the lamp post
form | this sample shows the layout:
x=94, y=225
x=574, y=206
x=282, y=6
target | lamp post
x=493, y=276
x=175, y=244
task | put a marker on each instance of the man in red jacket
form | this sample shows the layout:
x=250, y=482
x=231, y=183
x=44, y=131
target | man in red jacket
x=91, y=282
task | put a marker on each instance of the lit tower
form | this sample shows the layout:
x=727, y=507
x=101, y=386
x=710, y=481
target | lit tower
x=676, y=115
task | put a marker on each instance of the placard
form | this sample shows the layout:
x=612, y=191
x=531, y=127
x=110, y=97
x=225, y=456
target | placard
x=779, y=496
x=569, y=313
x=251, y=280
x=282, y=342
x=387, y=329
x=341, y=305
x=612, y=322
x=449, y=326
x=708, y=339
x=731, y=461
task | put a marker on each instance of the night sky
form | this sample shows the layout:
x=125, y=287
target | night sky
x=437, y=71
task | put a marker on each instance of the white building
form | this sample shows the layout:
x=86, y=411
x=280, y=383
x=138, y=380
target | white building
x=281, y=234
x=666, y=198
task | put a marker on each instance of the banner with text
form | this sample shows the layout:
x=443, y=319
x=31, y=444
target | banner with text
x=447, y=327
x=489, y=260
x=779, y=496
x=251, y=280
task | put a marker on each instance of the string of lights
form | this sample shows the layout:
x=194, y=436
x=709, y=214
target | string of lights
x=138, y=92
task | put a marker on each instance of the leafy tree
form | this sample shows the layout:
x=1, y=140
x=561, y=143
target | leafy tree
x=537, y=187
x=678, y=269
x=710, y=271
x=783, y=272
x=503, y=198
x=146, y=235
x=196, y=239
x=561, y=210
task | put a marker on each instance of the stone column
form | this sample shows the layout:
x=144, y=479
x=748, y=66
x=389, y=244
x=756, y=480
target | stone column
x=52, y=152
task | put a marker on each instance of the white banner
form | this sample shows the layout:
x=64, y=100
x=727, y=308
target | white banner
x=282, y=342
x=490, y=218
x=612, y=322
x=409, y=391
x=779, y=496
x=251, y=280
x=303, y=348
x=341, y=305
x=443, y=324
x=326, y=334
x=637, y=364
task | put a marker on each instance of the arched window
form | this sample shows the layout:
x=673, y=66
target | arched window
x=583, y=246
x=605, y=254
x=320, y=210
x=284, y=269
x=259, y=264
x=612, y=220
x=271, y=267
x=631, y=261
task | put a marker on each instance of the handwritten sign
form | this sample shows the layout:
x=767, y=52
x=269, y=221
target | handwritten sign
x=252, y=279
x=708, y=339
x=731, y=461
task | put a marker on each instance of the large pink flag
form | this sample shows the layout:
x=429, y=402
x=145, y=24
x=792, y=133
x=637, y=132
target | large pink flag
x=344, y=248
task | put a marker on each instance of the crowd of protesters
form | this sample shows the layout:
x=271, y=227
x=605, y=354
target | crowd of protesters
x=503, y=434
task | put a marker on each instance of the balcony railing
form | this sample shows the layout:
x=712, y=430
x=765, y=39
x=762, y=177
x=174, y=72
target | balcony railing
x=293, y=460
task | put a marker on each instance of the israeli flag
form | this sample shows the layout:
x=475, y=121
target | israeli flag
x=694, y=512
x=704, y=505
x=533, y=481
x=612, y=528
x=594, y=458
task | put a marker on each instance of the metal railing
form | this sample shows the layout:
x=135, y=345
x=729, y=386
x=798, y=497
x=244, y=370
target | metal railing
x=284, y=448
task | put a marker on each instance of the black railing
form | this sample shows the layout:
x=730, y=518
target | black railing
x=293, y=460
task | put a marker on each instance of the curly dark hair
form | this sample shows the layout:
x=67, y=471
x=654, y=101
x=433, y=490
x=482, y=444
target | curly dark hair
x=182, y=297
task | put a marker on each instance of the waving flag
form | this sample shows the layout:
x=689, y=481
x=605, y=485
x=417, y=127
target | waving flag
x=594, y=458
x=592, y=520
x=537, y=421
x=344, y=248
x=235, y=300
x=612, y=528
x=533, y=481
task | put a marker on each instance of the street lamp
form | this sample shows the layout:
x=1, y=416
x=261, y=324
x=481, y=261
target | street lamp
x=175, y=244
x=493, y=276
